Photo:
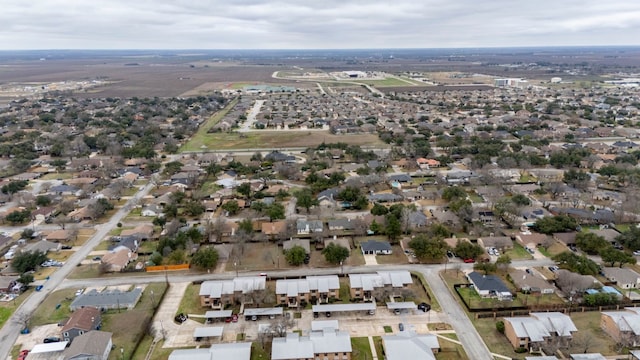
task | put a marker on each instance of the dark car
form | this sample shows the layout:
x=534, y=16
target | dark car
x=66, y=247
x=328, y=314
x=51, y=339
x=401, y=326
x=180, y=318
x=424, y=307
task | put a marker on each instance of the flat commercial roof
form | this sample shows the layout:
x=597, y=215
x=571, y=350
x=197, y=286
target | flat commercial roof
x=401, y=305
x=218, y=314
x=50, y=347
x=262, y=311
x=343, y=307
x=208, y=331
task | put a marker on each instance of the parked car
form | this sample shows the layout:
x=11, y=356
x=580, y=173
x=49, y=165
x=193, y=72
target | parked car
x=328, y=314
x=180, y=318
x=51, y=339
x=396, y=311
x=636, y=253
x=401, y=326
x=424, y=307
x=23, y=355
x=469, y=260
x=234, y=318
x=254, y=318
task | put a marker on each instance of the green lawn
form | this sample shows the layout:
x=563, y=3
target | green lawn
x=435, y=306
x=190, y=303
x=47, y=313
x=518, y=253
x=202, y=137
x=5, y=314
x=361, y=349
x=377, y=342
x=260, y=353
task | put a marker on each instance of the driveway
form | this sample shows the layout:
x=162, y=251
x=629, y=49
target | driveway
x=370, y=260
x=163, y=320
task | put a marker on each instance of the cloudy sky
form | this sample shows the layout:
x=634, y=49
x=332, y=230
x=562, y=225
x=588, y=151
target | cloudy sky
x=307, y=24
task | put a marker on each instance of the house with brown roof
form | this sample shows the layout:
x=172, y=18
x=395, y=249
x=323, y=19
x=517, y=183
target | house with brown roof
x=118, y=259
x=274, y=228
x=81, y=321
x=142, y=232
x=58, y=236
x=567, y=238
x=530, y=283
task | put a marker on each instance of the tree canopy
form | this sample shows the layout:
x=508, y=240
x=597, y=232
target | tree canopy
x=428, y=248
x=335, y=254
x=205, y=258
x=577, y=263
x=591, y=243
x=467, y=250
x=553, y=224
x=28, y=261
x=295, y=256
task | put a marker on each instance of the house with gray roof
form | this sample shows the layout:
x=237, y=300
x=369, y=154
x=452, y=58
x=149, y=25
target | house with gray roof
x=218, y=293
x=409, y=345
x=530, y=283
x=532, y=332
x=384, y=198
x=341, y=224
x=306, y=227
x=92, y=345
x=312, y=289
x=487, y=285
x=623, y=277
x=224, y=351
x=375, y=247
x=108, y=299
x=623, y=326
x=363, y=286
x=327, y=342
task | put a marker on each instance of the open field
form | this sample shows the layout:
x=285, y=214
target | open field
x=361, y=348
x=386, y=82
x=201, y=137
x=274, y=139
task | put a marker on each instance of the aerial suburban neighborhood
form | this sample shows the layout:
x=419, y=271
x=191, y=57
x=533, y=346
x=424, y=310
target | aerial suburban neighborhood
x=367, y=212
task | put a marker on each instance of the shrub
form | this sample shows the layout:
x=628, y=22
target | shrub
x=500, y=327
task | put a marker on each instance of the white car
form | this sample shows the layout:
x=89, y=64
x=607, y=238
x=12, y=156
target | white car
x=636, y=253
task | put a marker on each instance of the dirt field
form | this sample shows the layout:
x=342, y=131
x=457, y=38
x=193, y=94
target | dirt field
x=137, y=76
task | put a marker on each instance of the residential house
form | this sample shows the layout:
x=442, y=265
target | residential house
x=108, y=299
x=151, y=210
x=141, y=232
x=118, y=259
x=374, y=247
x=567, y=238
x=274, y=229
x=303, y=243
x=341, y=225
x=218, y=293
x=623, y=326
x=312, y=289
x=409, y=345
x=42, y=246
x=532, y=240
x=81, y=321
x=224, y=351
x=530, y=283
x=498, y=242
x=328, y=344
x=363, y=286
x=417, y=220
x=487, y=285
x=43, y=213
x=623, y=277
x=306, y=227
x=92, y=345
x=58, y=236
x=533, y=332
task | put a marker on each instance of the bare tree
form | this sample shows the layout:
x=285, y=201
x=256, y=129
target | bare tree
x=582, y=342
x=22, y=318
x=280, y=325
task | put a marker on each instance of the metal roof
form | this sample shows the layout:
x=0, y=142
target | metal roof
x=318, y=325
x=343, y=307
x=218, y=314
x=592, y=356
x=208, y=331
x=402, y=305
x=293, y=346
x=50, y=347
x=408, y=345
x=262, y=311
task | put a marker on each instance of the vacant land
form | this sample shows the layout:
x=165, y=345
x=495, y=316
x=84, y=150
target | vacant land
x=201, y=138
x=49, y=312
x=361, y=349
x=275, y=140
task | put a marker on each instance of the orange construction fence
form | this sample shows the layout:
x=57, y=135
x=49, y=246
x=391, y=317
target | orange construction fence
x=168, y=267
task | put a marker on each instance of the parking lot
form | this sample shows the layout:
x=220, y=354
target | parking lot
x=356, y=324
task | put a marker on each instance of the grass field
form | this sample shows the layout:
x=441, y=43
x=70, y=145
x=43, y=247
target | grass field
x=361, y=349
x=450, y=350
x=201, y=137
x=5, y=313
x=190, y=303
x=518, y=253
x=387, y=82
x=274, y=139
x=47, y=313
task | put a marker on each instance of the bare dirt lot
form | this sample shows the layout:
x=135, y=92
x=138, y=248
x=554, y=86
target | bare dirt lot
x=141, y=77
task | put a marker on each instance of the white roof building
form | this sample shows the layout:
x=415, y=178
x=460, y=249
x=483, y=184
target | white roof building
x=245, y=285
x=380, y=279
x=409, y=345
x=226, y=351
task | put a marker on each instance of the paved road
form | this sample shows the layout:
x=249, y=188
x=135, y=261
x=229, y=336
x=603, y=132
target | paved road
x=11, y=329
